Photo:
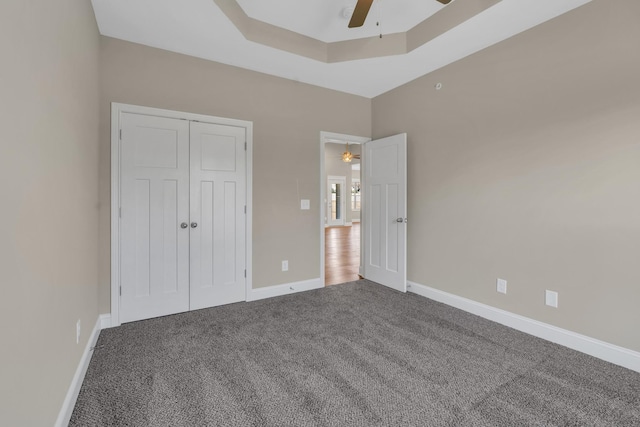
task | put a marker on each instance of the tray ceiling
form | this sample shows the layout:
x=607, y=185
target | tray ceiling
x=308, y=41
x=324, y=20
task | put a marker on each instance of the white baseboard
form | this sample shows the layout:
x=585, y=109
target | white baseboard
x=285, y=289
x=74, y=389
x=602, y=350
x=105, y=321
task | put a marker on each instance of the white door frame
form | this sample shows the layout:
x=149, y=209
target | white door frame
x=326, y=137
x=116, y=110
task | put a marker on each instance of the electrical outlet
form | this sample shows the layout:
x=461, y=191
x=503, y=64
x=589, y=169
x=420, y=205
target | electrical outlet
x=78, y=332
x=285, y=265
x=551, y=298
x=501, y=286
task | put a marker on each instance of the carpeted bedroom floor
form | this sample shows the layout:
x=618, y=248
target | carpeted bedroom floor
x=357, y=354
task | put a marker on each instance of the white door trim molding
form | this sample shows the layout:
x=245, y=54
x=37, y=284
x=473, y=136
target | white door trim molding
x=116, y=110
x=326, y=137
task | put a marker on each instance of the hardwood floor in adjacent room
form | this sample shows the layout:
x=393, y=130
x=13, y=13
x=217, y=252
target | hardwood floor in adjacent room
x=341, y=254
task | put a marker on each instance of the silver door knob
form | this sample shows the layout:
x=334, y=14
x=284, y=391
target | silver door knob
x=400, y=220
x=184, y=225
x=194, y=224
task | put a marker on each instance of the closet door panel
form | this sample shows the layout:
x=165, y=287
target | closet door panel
x=154, y=249
x=218, y=194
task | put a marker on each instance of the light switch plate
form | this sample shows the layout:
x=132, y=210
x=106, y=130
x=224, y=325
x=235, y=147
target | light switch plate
x=305, y=204
x=551, y=298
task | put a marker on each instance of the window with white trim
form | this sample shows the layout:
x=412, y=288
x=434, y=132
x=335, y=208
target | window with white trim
x=355, y=194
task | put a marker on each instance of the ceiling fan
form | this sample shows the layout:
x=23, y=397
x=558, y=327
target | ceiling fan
x=362, y=10
x=348, y=156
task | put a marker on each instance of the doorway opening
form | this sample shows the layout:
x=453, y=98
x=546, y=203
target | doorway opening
x=342, y=254
x=340, y=236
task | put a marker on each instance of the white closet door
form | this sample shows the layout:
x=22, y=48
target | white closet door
x=218, y=227
x=154, y=202
x=385, y=207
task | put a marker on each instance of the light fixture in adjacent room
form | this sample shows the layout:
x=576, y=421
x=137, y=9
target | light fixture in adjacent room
x=348, y=156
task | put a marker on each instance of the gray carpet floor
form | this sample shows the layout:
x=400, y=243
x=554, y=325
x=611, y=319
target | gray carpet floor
x=357, y=354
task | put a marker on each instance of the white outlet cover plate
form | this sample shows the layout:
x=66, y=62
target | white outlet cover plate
x=305, y=204
x=501, y=286
x=551, y=298
x=285, y=265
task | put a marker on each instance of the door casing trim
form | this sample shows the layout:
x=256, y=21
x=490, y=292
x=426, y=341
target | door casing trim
x=116, y=111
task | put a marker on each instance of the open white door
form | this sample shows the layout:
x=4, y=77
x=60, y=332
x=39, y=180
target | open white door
x=385, y=208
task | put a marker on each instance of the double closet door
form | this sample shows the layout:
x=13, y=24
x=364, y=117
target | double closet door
x=182, y=219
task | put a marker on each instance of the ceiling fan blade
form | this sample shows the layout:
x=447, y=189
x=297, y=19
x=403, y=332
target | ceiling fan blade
x=444, y=1
x=360, y=13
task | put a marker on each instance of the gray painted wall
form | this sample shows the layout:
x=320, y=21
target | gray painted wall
x=49, y=217
x=525, y=166
x=287, y=117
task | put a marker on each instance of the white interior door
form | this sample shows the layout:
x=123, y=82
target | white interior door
x=183, y=215
x=154, y=278
x=385, y=209
x=218, y=226
x=336, y=197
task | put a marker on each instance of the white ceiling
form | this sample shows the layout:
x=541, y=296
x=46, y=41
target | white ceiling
x=323, y=19
x=199, y=28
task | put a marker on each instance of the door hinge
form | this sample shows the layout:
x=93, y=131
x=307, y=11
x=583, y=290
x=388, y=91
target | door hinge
x=245, y=146
x=120, y=290
x=120, y=212
x=120, y=134
x=245, y=209
x=245, y=274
